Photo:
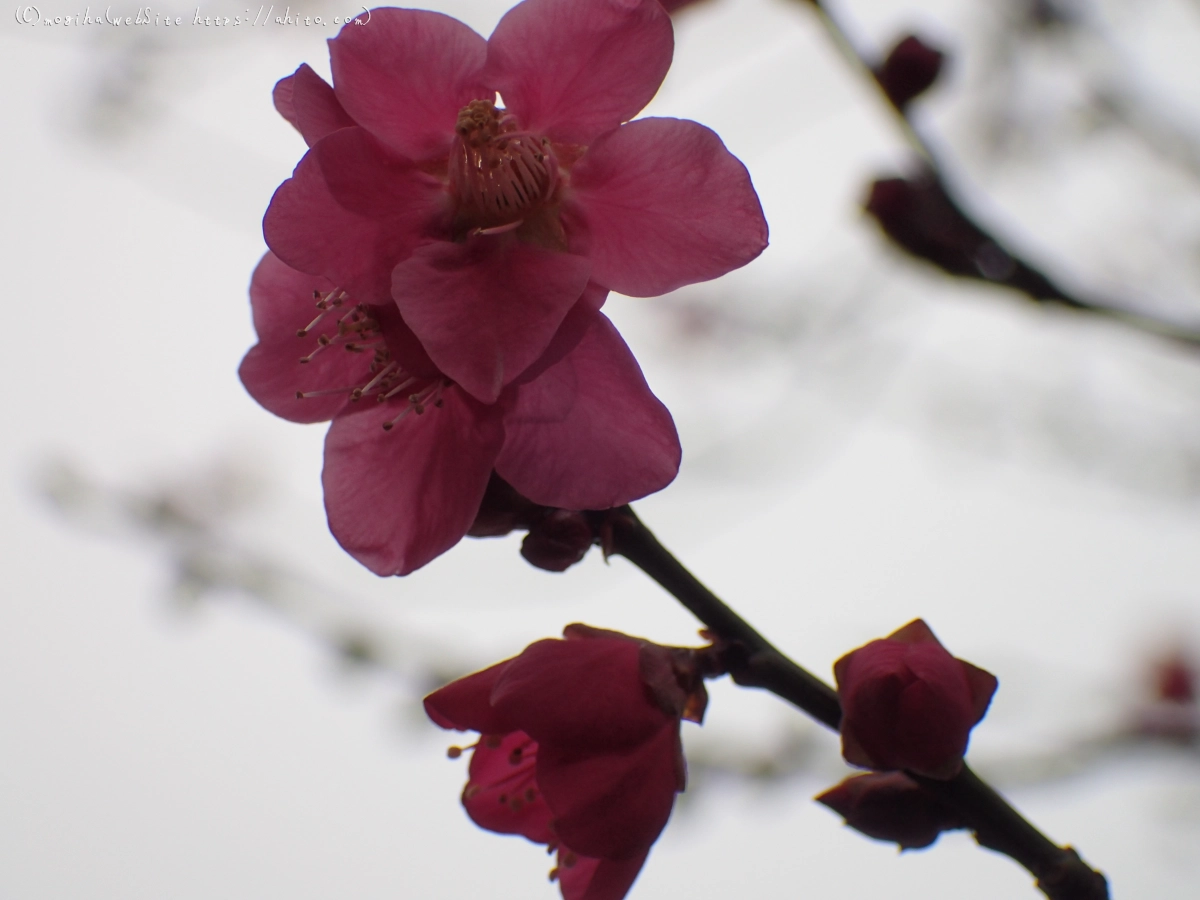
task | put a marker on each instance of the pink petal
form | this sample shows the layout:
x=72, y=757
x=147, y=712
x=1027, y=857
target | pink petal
x=587, y=433
x=982, y=685
x=465, y=703
x=307, y=101
x=406, y=74
x=486, y=309
x=310, y=231
x=598, y=879
x=580, y=695
x=503, y=795
x=572, y=70
x=370, y=180
x=614, y=805
x=281, y=96
x=666, y=205
x=282, y=303
x=915, y=632
x=397, y=499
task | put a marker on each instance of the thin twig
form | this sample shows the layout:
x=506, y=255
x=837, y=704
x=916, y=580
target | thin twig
x=755, y=662
x=926, y=237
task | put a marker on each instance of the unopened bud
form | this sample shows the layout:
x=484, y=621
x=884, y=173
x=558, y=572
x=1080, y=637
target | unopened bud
x=909, y=70
x=908, y=704
x=558, y=541
x=890, y=806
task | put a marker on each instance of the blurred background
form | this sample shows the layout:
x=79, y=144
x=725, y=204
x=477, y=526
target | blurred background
x=201, y=696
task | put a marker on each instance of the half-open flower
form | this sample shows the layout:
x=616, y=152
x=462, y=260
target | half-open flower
x=486, y=223
x=579, y=748
x=409, y=454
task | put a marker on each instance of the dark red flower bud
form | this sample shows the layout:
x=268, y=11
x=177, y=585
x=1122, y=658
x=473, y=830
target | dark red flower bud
x=908, y=704
x=1175, y=679
x=558, y=540
x=890, y=806
x=1172, y=712
x=909, y=70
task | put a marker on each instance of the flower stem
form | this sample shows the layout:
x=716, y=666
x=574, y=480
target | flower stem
x=754, y=662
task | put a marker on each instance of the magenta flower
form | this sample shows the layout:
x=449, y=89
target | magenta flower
x=486, y=224
x=908, y=704
x=409, y=454
x=579, y=749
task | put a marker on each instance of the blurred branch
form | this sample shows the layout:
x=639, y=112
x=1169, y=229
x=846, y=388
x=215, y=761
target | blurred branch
x=923, y=216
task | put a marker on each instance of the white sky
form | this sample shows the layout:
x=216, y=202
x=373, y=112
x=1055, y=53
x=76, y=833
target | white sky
x=149, y=755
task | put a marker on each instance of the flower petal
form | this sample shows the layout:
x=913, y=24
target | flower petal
x=572, y=71
x=465, y=703
x=369, y=180
x=486, y=309
x=585, y=696
x=307, y=101
x=397, y=499
x=612, y=805
x=597, y=879
x=312, y=232
x=587, y=433
x=282, y=303
x=406, y=74
x=502, y=794
x=666, y=205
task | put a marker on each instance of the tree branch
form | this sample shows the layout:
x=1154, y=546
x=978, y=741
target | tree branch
x=754, y=662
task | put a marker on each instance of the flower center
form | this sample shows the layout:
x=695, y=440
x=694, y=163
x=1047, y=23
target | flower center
x=356, y=330
x=499, y=174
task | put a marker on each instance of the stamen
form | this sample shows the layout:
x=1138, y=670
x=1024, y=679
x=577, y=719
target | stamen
x=388, y=426
x=383, y=373
x=303, y=332
x=500, y=173
x=304, y=395
x=397, y=389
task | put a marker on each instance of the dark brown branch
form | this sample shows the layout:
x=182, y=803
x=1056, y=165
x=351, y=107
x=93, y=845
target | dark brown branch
x=754, y=662
x=922, y=215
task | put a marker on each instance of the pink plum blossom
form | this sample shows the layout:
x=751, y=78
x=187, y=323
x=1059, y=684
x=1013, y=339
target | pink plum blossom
x=579, y=749
x=410, y=452
x=485, y=224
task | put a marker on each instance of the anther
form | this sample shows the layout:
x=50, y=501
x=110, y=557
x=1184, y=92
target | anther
x=454, y=752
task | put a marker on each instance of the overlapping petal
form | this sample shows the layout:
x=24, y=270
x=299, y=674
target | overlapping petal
x=282, y=304
x=465, y=703
x=405, y=75
x=310, y=231
x=306, y=100
x=487, y=308
x=666, y=205
x=397, y=499
x=613, y=805
x=583, y=696
x=598, y=879
x=573, y=70
x=587, y=432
